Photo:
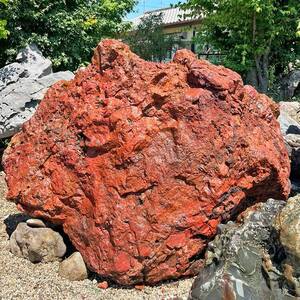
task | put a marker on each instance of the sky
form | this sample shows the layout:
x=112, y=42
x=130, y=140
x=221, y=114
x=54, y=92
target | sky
x=145, y=5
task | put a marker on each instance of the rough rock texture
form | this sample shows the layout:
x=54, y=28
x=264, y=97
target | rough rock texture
x=22, y=87
x=289, y=120
x=141, y=161
x=246, y=261
x=73, y=268
x=37, y=244
x=22, y=280
x=33, y=61
x=30, y=62
x=288, y=226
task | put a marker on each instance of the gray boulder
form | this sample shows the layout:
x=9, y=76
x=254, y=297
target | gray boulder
x=19, y=101
x=37, y=244
x=30, y=63
x=11, y=74
x=33, y=61
x=23, y=85
x=288, y=125
x=246, y=261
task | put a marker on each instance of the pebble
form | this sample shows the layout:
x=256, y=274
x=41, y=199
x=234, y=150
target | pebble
x=36, y=223
x=103, y=285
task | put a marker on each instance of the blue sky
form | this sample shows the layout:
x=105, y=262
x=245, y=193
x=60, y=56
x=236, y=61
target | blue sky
x=150, y=5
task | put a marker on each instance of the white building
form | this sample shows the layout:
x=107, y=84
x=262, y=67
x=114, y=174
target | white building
x=175, y=21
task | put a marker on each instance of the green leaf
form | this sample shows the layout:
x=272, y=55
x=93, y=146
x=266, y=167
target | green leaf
x=65, y=31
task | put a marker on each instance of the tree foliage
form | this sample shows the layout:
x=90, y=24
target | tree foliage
x=3, y=31
x=66, y=31
x=149, y=41
x=257, y=38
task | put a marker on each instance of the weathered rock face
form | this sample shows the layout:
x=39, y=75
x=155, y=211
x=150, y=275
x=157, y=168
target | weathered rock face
x=22, y=86
x=141, y=161
x=247, y=261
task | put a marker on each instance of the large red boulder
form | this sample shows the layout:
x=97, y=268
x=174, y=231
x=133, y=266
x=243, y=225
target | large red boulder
x=141, y=161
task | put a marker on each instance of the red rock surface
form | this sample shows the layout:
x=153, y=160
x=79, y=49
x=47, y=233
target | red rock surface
x=141, y=161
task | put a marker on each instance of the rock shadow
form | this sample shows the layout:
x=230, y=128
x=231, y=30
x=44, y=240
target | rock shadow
x=12, y=221
x=293, y=130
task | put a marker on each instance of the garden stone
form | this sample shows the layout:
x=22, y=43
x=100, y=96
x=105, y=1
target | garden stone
x=11, y=74
x=73, y=268
x=290, y=84
x=37, y=244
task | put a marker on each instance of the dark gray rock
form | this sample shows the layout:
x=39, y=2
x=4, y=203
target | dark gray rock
x=290, y=84
x=244, y=261
x=289, y=120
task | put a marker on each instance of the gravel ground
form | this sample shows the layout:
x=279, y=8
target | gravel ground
x=21, y=279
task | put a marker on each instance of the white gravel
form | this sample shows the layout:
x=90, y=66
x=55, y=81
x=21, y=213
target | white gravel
x=20, y=279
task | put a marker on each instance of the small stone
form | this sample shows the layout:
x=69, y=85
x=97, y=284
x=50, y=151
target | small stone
x=37, y=244
x=139, y=287
x=73, y=268
x=35, y=223
x=103, y=285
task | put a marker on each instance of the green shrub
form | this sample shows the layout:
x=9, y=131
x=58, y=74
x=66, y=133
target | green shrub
x=66, y=31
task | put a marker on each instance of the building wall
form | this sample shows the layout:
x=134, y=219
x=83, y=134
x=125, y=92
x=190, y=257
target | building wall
x=186, y=31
